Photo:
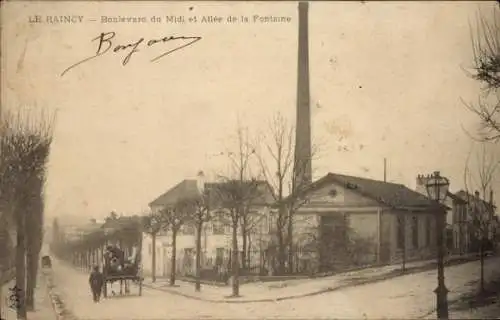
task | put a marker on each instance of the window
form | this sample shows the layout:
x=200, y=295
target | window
x=218, y=227
x=219, y=256
x=227, y=228
x=401, y=231
x=188, y=229
x=414, y=232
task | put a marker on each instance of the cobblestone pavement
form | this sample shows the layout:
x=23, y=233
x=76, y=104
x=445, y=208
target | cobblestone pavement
x=406, y=297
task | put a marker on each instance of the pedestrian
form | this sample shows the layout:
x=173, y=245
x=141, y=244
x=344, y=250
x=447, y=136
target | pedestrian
x=96, y=281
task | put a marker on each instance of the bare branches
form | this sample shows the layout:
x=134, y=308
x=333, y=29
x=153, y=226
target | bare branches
x=153, y=223
x=486, y=50
x=279, y=146
x=24, y=149
x=486, y=70
x=202, y=208
x=480, y=209
x=178, y=214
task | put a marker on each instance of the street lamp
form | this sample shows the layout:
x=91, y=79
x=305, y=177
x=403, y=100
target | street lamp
x=437, y=189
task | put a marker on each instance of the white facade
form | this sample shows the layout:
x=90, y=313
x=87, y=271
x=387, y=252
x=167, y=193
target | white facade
x=216, y=243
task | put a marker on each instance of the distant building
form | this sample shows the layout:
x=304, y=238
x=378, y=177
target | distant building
x=476, y=206
x=75, y=232
x=462, y=236
x=455, y=238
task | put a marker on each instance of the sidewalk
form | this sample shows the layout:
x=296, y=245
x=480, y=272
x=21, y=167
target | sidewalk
x=291, y=289
x=43, y=304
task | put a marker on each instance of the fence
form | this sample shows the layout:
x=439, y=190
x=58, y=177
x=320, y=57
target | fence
x=254, y=262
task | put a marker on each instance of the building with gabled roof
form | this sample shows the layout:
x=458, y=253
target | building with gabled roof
x=216, y=235
x=346, y=220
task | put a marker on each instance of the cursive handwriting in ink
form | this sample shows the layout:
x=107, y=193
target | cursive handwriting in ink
x=14, y=298
x=105, y=44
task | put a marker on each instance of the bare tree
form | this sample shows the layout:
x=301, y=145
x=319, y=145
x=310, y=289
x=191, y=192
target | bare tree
x=282, y=173
x=175, y=217
x=24, y=150
x=486, y=70
x=153, y=224
x=279, y=144
x=34, y=239
x=233, y=196
x=201, y=215
x=249, y=224
x=480, y=209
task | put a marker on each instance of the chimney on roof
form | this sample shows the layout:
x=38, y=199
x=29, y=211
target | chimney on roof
x=421, y=182
x=200, y=181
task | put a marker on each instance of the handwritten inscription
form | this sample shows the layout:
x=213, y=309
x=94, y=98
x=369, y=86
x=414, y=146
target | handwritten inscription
x=105, y=45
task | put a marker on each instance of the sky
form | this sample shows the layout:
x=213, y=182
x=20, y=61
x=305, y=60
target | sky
x=388, y=80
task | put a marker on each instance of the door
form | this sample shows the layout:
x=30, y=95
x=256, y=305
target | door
x=333, y=241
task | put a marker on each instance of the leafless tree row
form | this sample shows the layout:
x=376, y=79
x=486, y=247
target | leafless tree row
x=255, y=170
x=25, y=142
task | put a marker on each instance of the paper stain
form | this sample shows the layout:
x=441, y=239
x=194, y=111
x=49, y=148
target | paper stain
x=20, y=62
x=340, y=127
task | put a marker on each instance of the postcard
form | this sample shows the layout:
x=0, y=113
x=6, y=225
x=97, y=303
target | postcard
x=249, y=160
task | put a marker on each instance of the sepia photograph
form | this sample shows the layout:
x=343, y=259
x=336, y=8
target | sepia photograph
x=249, y=160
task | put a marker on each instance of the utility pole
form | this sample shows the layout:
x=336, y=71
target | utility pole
x=385, y=170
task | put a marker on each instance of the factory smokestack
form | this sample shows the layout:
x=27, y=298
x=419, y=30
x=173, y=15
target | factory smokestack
x=302, y=164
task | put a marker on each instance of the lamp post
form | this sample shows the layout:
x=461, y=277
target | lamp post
x=437, y=189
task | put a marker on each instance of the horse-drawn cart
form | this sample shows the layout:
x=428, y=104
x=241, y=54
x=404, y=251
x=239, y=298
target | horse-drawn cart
x=122, y=261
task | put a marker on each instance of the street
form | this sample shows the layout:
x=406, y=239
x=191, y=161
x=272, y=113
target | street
x=409, y=296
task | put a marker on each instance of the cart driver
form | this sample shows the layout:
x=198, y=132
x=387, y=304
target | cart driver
x=116, y=257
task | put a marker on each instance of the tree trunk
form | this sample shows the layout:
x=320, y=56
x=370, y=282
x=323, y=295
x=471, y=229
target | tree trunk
x=403, y=267
x=20, y=265
x=249, y=250
x=244, y=247
x=31, y=277
x=235, y=262
x=153, y=257
x=34, y=237
x=290, y=243
x=482, y=265
x=174, y=253
x=281, y=251
x=198, y=256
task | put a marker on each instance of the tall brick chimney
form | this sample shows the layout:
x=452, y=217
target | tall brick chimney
x=302, y=165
